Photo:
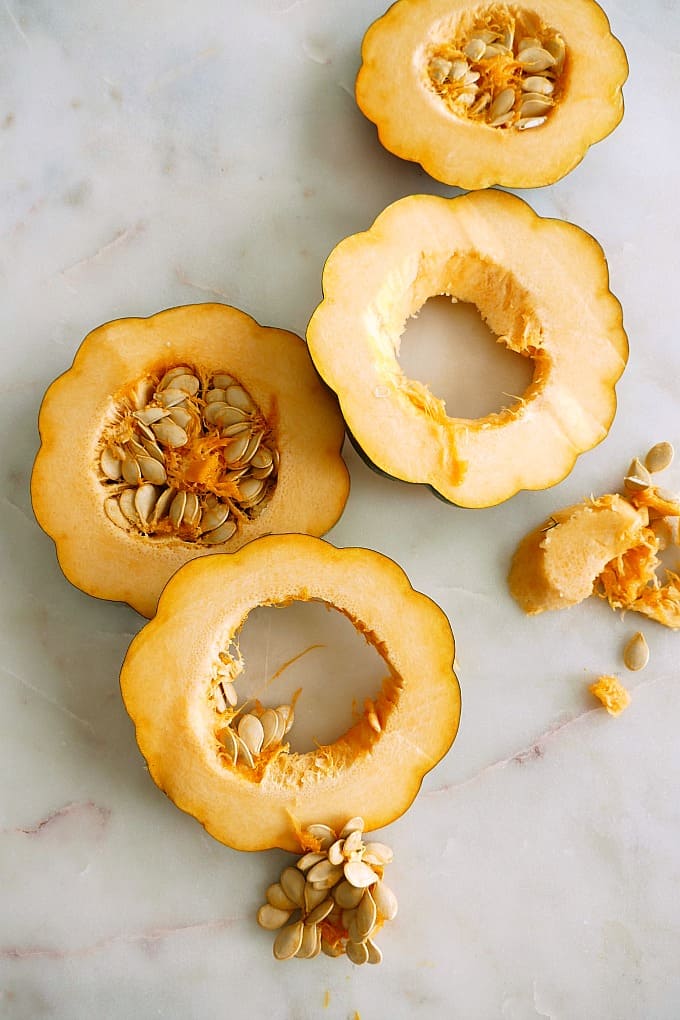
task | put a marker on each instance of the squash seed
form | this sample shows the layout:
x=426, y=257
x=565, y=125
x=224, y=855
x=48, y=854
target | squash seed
x=352, y=844
x=270, y=722
x=659, y=457
x=534, y=106
x=323, y=833
x=245, y=752
x=308, y=860
x=150, y=415
x=385, y=900
x=347, y=896
x=288, y=941
x=131, y=471
x=353, y=825
x=320, y=912
x=378, y=853
x=357, y=953
x=335, y=854
x=366, y=916
x=308, y=943
x=293, y=885
x=214, y=517
x=272, y=918
x=173, y=373
x=169, y=434
x=277, y=898
x=313, y=897
x=237, y=397
x=115, y=514
x=525, y=123
x=126, y=501
x=475, y=49
x=251, y=733
x=331, y=949
x=145, y=501
x=227, y=738
x=152, y=470
x=171, y=397
x=538, y=84
x=636, y=652
x=192, y=510
x=187, y=383
x=359, y=874
x=287, y=715
x=110, y=464
x=374, y=952
x=324, y=872
x=221, y=534
x=535, y=58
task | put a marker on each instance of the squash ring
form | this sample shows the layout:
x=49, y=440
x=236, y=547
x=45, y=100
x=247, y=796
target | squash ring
x=540, y=284
x=165, y=681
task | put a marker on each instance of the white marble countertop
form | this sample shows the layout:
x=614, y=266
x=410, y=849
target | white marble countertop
x=157, y=153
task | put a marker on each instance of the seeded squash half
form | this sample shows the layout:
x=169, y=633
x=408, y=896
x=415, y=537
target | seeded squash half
x=190, y=432
x=485, y=93
x=540, y=284
x=375, y=769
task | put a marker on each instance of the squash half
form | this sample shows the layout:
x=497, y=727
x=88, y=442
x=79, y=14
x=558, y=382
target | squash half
x=375, y=769
x=542, y=287
x=437, y=93
x=293, y=415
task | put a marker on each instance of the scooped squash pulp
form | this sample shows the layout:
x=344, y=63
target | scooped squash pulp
x=485, y=93
x=169, y=676
x=540, y=284
x=172, y=437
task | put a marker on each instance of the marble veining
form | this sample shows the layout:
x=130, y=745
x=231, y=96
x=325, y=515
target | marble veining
x=159, y=153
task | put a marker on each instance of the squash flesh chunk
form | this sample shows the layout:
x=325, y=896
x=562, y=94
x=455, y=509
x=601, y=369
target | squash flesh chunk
x=558, y=564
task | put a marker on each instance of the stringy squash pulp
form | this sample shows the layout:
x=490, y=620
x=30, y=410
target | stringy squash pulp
x=168, y=683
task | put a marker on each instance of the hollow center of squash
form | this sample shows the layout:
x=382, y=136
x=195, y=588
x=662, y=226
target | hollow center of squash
x=500, y=66
x=299, y=682
x=449, y=347
x=188, y=455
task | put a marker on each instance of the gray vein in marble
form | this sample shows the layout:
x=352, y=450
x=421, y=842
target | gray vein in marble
x=536, y=749
x=75, y=808
x=204, y=287
x=50, y=701
x=120, y=237
x=145, y=937
x=20, y=32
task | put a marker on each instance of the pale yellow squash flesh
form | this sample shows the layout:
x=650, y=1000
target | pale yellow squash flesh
x=540, y=284
x=165, y=683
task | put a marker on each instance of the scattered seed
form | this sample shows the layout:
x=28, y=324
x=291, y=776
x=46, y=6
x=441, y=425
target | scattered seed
x=366, y=916
x=320, y=912
x=308, y=860
x=636, y=652
x=374, y=952
x=353, y=825
x=659, y=457
x=359, y=874
x=307, y=947
x=323, y=833
x=357, y=953
x=378, y=853
x=324, y=872
x=347, y=896
x=335, y=854
x=352, y=844
x=385, y=900
x=313, y=897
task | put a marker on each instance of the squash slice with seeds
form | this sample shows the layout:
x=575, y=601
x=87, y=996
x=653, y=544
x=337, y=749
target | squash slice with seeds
x=492, y=93
x=172, y=437
x=172, y=668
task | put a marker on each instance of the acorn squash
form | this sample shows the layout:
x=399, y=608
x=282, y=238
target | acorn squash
x=492, y=93
x=540, y=284
x=265, y=795
x=171, y=437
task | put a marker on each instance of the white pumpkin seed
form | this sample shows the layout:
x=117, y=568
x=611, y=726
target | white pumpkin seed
x=127, y=505
x=378, y=853
x=171, y=397
x=359, y=874
x=221, y=534
x=636, y=652
x=526, y=123
x=181, y=416
x=215, y=394
x=187, y=382
x=152, y=470
x=270, y=722
x=323, y=833
x=114, y=513
x=355, y=824
x=475, y=49
x=131, y=471
x=385, y=900
x=222, y=381
x=214, y=517
x=173, y=373
x=192, y=510
x=271, y=918
x=366, y=916
x=313, y=897
x=277, y=898
x=153, y=449
x=110, y=464
x=307, y=948
x=227, y=738
x=150, y=415
x=251, y=733
x=324, y=872
x=335, y=854
x=659, y=457
x=288, y=941
x=237, y=397
x=162, y=506
x=535, y=58
x=374, y=952
x=347, y=896
x=287, y=714
x=534, y=107
x=145, y=501
x=439, y=70
x=169, y=434
x=293, y=884
x=309, y=859
x=538, y=85
x=528, y=42
x=357, y=953
x=320, y=912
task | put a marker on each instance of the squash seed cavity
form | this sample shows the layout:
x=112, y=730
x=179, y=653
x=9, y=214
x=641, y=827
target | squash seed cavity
x=316, y=906
x=188, y=456
x=504, y=68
